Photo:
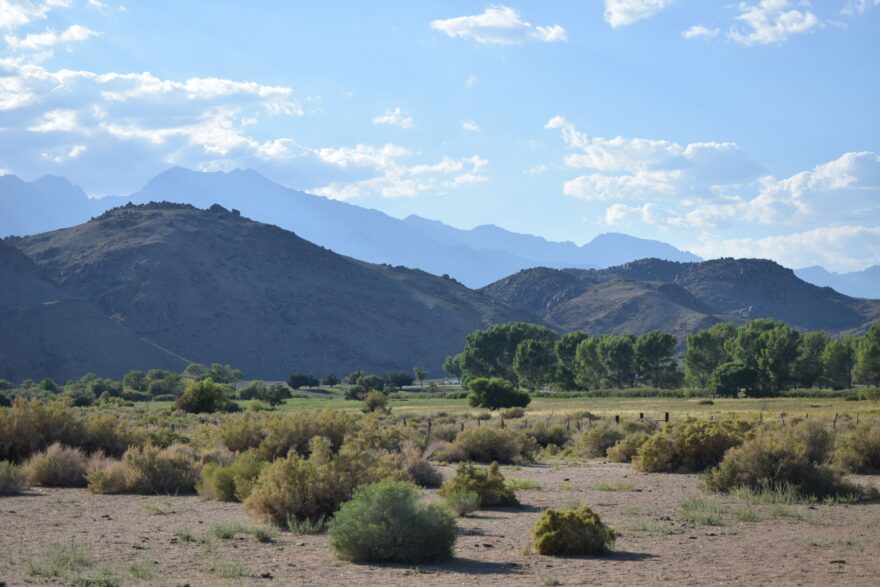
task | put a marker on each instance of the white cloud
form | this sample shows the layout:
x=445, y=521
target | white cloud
x=498, y=25
x=396, y=117
x=771, y=21
x=49, y=39
x=470, y=125
x=625, y=12
x=57, y=121
x=16, y=13
x=700, y=32
x=471, y=81
x=393, y=179
x=839, y=248
x=858, y=7
x=97, y=4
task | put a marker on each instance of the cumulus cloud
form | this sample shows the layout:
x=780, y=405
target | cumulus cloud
x=498, y=25
x=840, y=248
x=16, y=13
x=470, y=125
x=771, y=21
x=49, y=39
x=858, y=7
x=393, y=179
x=625, y=12
x=395, y=117
x=700, y=32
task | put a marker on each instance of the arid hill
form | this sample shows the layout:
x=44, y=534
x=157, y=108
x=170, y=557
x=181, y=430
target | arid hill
x=679, y=297
x=49, y=333
x=213, y=286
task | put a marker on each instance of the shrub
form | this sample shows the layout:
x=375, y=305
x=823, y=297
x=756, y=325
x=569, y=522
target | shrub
x=232, y=482
x=627, y=447
x=446, y=452
x=546, y=434
x=12, y=478
x=463, y=502
x=376, y=401
x=162, y=470
x=689, y=446
x=111, y=477
x=241, y=432
x=203, y=396
x=422, y=473
x=314, y=487
x=57, y=466
x=384, y=522
x=485, y=445
x=859, y=450
x=728, y=379
x=512, y=413
x=496, y=393
x=775, y=461
x=572, y=532
x=286, y=432
x=488, y=484
x=596, y=441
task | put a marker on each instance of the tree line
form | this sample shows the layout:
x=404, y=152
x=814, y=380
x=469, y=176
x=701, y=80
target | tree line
x=758, y=358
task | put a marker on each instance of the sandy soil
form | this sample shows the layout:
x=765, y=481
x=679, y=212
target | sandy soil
x=141, y=540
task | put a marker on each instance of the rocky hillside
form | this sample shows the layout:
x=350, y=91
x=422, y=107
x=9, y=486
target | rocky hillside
x=213, y=286
x=679, y=297
x=49, y=333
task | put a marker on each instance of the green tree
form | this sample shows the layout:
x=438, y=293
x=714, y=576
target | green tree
x=728, y=379
x=298, y=380
x=420, y=375
x=779, y=351
x=705, y=351
x=397, y=379
x=376, y=401
x=618, y=356
x=867, y=357
x=330, y=380
x=136, y=380
x=203, y=395
x=838, y=360
x=452, y=366
x=589, y=371
x=566, y=358
x=534, y=363
x=490, y=352
x=273, y=395
x=655, y=353
x=48, y=385
x=807, y=367
x=494, y=393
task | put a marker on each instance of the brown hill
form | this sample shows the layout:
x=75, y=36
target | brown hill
x=679, y=297
x=216, y=287
x=49, y=333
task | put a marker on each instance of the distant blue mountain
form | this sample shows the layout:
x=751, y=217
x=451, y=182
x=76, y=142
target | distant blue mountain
x=475, y=257
x=858, y=284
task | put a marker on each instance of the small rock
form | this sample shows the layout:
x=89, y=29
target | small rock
x=692, y=537
x=266, y=575
x=839, y=561
x=138, y=547
x=487, y=545
x=300, y=543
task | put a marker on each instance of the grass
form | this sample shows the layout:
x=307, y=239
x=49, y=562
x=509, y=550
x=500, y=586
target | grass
x=522, y=484
x=228, y=531
x=158, y=509
x=61, y=560
x=306, y=526
x=144, y=569
x=701, y=511
x=566, y=487
x=185, y=535
x=616, y=486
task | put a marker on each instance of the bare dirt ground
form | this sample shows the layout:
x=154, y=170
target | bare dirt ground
x=162, y=540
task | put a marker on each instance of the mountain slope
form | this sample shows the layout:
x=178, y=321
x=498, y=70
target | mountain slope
x=858, y=284
x=679, y=297
x=216, y=287
x=49, y=333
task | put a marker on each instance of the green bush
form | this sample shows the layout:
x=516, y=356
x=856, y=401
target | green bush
x=512, y=413
x=495, y=393
x=202, y=396
x=463, y=502
x=485, y=444
x=545, y=434
x=286, y=432
x=488, y=484
x=111, y=477
x=157, y=470
x=859, y=450
x=384, y=522
x=57, y=466
x=313, y=488
x=12, y=478
x=422, y=473
x=596, y=441
x=572, y=532
x=376, y=401
x=241, y=432
x=232, y=482
x=627, y=447
x=776, y=461
x=690, y=446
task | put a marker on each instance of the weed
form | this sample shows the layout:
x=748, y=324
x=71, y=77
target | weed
x=701, y=511
x=615, y=486
x=61, y=560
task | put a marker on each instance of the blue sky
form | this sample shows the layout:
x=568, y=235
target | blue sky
x=725, y=128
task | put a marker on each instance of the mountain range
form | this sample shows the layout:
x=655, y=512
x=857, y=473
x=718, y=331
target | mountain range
x=858, y=284
x=679, y=297
x=475, y=257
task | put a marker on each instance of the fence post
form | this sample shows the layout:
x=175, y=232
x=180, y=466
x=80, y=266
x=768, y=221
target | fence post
x=502, y=423
x=835, y=422
x=782, y=417
x=641, y=416
x=666, y=416
x=617, y=419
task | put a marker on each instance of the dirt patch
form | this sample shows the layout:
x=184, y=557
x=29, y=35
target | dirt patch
x=670, y=533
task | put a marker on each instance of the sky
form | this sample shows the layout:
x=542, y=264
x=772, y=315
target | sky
x=745, y=129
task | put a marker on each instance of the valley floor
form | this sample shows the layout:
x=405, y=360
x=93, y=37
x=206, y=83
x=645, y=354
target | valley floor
x=670, y=533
